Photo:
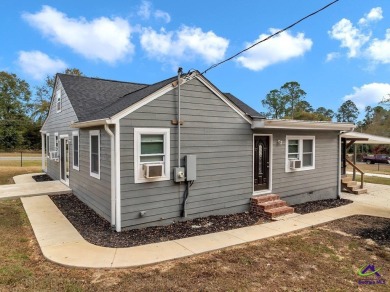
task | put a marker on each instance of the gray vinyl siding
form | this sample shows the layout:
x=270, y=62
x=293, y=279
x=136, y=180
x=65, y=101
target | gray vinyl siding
x=222, y=141
x=309, y=185
x=93, y=192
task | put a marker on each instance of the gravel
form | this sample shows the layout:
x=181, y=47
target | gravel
x=320, y=205
x=98, y=231
x=42, y=177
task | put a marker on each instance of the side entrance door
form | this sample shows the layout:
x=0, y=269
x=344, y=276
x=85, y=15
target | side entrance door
x=64, y=160
x=261, y=163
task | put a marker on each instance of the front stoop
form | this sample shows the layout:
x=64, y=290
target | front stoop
x=270, y=206
x=351, y=186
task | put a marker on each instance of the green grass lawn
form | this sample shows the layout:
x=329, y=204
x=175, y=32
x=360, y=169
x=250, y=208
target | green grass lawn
x=374, y=180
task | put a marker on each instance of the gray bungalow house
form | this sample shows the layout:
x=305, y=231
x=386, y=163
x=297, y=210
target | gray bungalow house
x=142, y=155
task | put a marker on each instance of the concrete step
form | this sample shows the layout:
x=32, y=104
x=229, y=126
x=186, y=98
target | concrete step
x=272, y=213
x=272, y=204
x=360, y=191
x=266, y=198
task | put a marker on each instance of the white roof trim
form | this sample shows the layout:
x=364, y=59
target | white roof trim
x=301, y=125
x=223, y=98
x=92, y=123
x=366, y=138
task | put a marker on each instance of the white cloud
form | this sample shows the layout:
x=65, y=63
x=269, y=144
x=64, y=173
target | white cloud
x=379, y=50
x=102, y=38
x=375, y=14
x=159, y=14
x=332, y=56
x=350, y=37
x=38, y=65
x=145, y=9
x=184, y=44
x=278, y=49
x=368, y=94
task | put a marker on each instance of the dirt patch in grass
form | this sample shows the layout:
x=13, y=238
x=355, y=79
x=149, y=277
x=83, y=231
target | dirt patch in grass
x=315, y=206
x=316, y=259
x=98, y=231
x=8, y=172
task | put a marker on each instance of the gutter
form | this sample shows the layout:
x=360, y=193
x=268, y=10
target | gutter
x=113, y=174
x=118, y=217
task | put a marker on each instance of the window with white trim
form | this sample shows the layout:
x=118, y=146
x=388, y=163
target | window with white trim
x=47, y=144
x=151, y=147
x=56, y=141
x=302, y=150
x=75, y=143
x=94, y=153
x=58, y=101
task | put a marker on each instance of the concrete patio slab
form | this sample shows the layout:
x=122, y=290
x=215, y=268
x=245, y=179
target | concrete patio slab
x=25, y=178
x=33, y=189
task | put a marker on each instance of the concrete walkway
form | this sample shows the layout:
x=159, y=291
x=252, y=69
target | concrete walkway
x=26, y=186
x=61, y=243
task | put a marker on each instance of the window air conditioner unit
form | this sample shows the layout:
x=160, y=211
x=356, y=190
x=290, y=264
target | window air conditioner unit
x=153, y=170
x=54, y=155
x=295, y=164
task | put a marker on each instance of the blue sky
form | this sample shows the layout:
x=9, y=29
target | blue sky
x=341, y=53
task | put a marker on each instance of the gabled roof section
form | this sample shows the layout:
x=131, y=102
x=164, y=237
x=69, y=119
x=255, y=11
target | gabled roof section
x=130, y=99
x=90, y=95
x=244, y=107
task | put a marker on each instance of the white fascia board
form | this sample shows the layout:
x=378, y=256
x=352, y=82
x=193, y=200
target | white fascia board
x=92, y=123
x=301, y=125
x=218, y=93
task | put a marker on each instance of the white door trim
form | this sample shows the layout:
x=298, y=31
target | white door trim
x=270, y=149
x=66, y=159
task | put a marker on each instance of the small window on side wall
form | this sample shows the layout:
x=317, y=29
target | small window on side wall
x=94, y=151
x=58, y=101
x=300, y=153
x=151, y=154
x=75, y=143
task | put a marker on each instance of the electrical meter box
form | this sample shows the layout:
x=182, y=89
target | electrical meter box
x=190, y=161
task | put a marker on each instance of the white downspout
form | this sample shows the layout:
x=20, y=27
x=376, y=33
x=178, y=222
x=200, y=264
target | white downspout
x=113, y=173
x=43, y=139
x=118, y=177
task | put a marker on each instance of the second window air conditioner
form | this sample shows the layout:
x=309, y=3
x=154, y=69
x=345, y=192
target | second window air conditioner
x=153, y=170
x=295, y=164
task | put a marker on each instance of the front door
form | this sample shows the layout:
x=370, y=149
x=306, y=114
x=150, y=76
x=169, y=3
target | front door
x=64, y=160
x=261, y=163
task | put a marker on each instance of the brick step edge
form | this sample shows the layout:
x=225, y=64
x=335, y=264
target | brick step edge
x=272, y=213
x=263, y=199
x=272, y=204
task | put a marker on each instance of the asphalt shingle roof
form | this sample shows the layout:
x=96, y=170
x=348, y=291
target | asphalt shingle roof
x=94, y=98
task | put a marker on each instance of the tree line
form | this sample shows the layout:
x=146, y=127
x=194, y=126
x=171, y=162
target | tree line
x=23, y=111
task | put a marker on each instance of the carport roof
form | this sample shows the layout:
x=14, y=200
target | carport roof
x=363, y=138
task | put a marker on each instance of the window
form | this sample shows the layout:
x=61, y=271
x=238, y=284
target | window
x=301, y=148
x=56, y=141
x=151, y=146
x=59, y=101
x=48, y=145
x=94, y=150
x=75, y=143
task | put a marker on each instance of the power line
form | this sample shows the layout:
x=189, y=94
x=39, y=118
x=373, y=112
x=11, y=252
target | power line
x=269, y=37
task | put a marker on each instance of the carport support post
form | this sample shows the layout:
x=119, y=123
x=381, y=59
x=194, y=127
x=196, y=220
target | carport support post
x=354, y=162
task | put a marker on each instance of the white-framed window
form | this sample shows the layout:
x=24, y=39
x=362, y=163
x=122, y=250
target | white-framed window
x=56, y=142
x=76, y=147
x=302, y=150
x=58, y=101
x=47, y=144
x=151, y=146
x=94, y=153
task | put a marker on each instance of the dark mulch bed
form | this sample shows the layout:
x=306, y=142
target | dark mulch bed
x=367, y=227
x=42, y=177
x=98, y=231
x=316, y=206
